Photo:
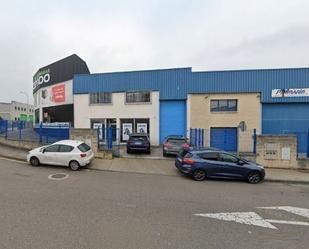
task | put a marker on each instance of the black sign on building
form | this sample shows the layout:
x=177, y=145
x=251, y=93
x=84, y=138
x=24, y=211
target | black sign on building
x=52, y=103
x=59, y=71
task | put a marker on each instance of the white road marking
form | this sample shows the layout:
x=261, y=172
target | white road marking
x=248, y=218
x=294, y=210
x=299, y=223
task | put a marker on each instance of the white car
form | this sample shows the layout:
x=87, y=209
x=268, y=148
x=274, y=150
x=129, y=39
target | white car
x=71, y=153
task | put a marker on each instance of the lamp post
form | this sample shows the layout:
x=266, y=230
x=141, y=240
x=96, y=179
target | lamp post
x=26, y=94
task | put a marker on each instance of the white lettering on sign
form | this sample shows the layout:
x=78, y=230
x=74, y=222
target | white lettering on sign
x=282, y=93
x=41, y=77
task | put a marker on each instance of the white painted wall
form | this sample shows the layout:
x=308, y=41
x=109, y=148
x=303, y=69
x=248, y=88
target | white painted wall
x=83, y=112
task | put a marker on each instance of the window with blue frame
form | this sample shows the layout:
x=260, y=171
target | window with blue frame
x=223, y=105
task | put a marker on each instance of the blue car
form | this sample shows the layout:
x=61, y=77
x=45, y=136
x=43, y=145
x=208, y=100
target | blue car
x=209, y=163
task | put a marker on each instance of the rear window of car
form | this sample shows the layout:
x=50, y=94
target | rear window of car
x=138, y=138
x=83, y=147
x=176, y=140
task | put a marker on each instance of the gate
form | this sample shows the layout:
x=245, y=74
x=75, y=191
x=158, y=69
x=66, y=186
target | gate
x=197, y=137
x=109, y=139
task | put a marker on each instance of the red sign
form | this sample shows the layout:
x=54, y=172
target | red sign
x=59, y=93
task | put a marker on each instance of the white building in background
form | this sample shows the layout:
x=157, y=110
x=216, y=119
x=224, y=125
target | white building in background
x=17, y=111
x=127, y=111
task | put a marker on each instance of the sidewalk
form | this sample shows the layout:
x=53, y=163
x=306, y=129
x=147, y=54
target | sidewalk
x=160, y=167
x=166, y=167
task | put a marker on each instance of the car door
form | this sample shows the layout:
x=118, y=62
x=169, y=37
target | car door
x=210, y=162
x=50, y=154
x=231, y=167
x=65, y=154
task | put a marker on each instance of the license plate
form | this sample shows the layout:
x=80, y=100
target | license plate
x=138, y=143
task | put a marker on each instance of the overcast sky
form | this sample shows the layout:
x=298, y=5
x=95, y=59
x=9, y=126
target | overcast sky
x=135, y=35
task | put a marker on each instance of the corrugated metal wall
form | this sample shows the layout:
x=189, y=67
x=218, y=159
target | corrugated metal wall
x=170, y=82
x=262, y=81
x=175, y=84
x=292, y=118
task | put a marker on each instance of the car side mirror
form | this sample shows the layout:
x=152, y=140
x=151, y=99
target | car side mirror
x=240, y=162
x=43, y=151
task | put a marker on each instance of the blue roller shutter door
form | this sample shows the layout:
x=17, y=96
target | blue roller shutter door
x=288, y=118
x=172, y=118
x=224, y=138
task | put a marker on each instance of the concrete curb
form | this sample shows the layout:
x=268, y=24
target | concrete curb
x=287, y=181
x=145, y=158
x=13, y=158
x=153, y=173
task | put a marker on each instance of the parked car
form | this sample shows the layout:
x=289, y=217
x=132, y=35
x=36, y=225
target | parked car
x=71, y=153
x=173, y=144
x=138, y=142
x=209, y=163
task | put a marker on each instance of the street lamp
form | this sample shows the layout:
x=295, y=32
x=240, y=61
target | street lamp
x=26, y=94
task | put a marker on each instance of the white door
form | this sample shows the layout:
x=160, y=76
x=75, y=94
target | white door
x=65, y=154
x=50, y=155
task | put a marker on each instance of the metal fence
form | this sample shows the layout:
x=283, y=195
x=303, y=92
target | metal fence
x=109, y=139
x=245, y=141
x=28, y=132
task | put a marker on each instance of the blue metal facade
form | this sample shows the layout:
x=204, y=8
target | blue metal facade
x=175, y=84
x=172, y=118
x=290, y=118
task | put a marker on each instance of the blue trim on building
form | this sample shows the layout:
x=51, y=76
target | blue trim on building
x=176, y=84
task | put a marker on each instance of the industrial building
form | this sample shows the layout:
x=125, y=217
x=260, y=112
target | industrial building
x=272, y=101
x=17, y=111
x=229, y=105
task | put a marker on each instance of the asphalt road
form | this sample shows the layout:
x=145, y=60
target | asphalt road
x=96, y=209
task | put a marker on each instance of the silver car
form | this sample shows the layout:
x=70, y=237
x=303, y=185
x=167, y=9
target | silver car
x=173, y=144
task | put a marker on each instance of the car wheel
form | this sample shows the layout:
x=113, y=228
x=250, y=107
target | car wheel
x=74, y=165
x=254, y=177
x=34, y=161
x=148, y=152
x=164, y=154
x=199, y=175
x=128, y=151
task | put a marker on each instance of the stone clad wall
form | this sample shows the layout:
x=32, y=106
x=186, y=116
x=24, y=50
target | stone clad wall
x=90, y=137
x=277, y=151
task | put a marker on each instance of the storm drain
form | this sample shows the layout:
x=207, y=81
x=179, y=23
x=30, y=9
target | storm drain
x=58, y=176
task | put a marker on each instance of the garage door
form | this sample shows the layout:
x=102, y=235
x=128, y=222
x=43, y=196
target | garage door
x=172, y=118
x=224, y=138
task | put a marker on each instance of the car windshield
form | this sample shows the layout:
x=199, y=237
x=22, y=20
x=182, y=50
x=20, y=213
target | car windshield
x=42, y=148
x=83, y=147
x=185, y=153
